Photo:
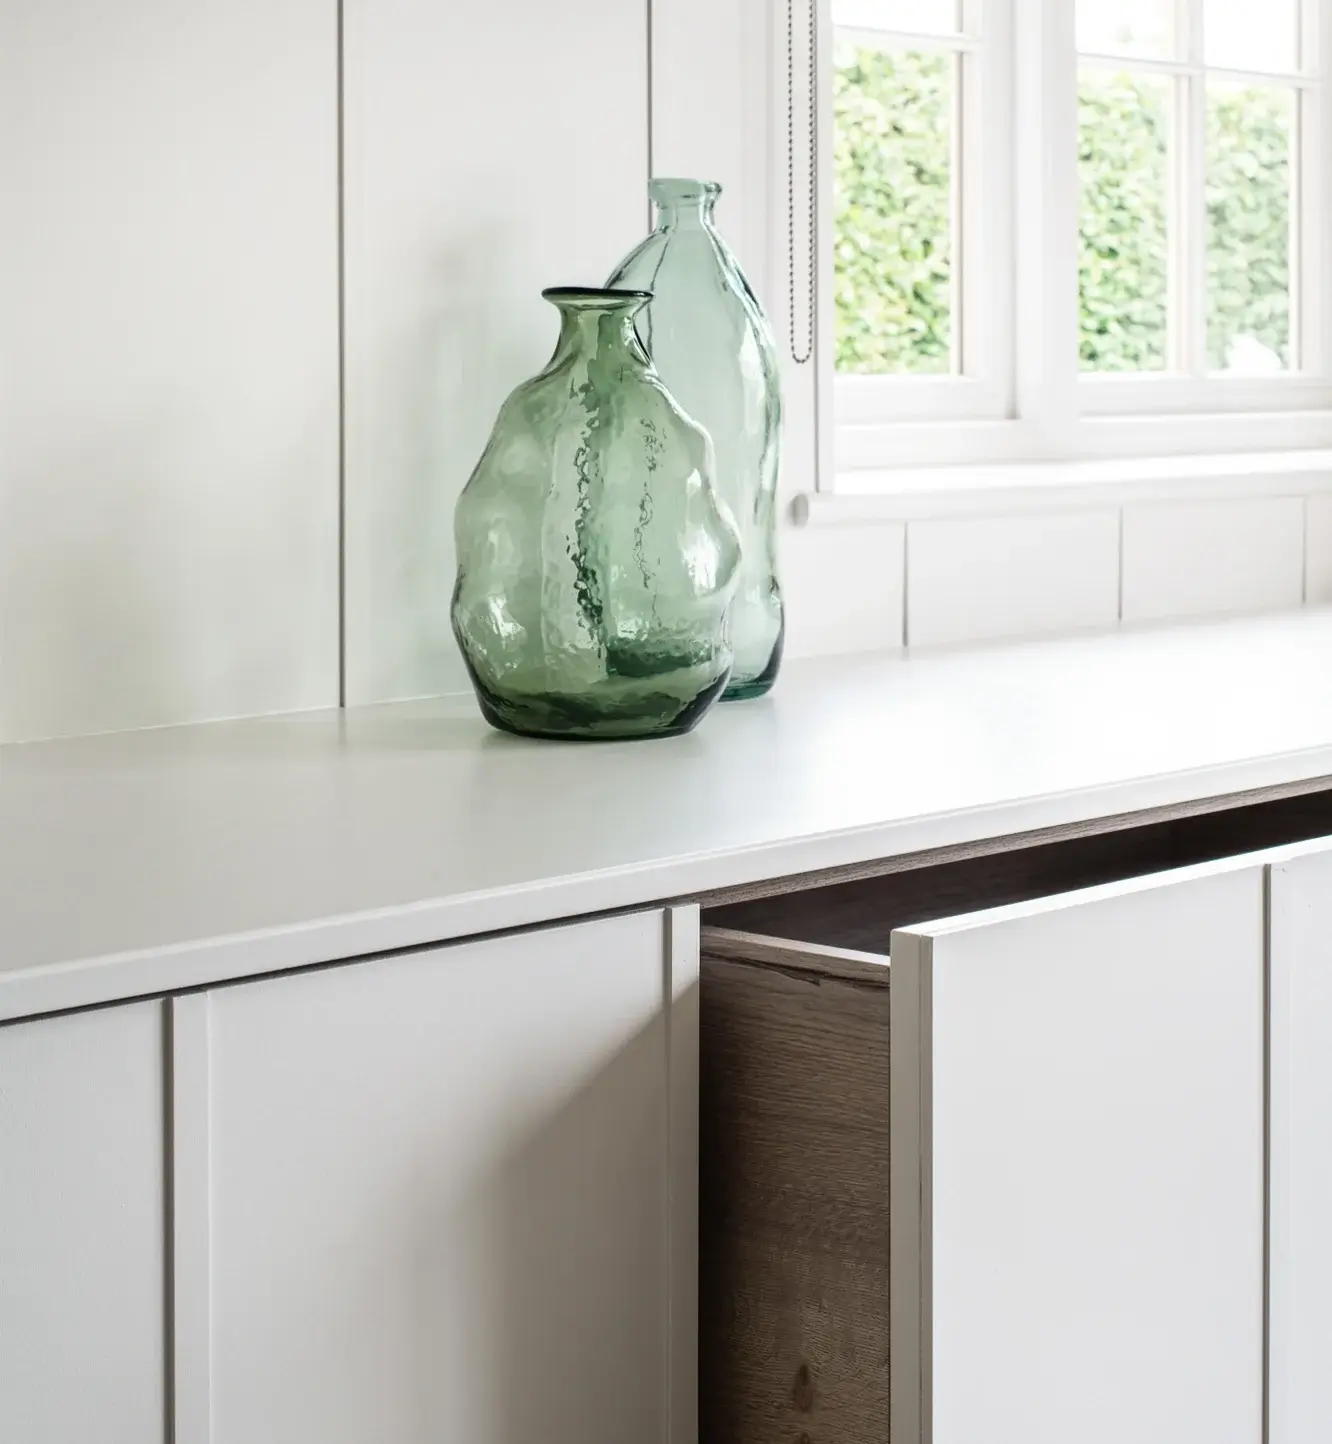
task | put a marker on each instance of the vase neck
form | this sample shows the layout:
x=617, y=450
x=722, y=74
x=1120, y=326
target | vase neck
x=595, y=334
x=684, y=204
x=597, y=323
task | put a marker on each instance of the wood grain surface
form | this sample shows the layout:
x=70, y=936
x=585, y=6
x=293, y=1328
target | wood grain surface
x=802, y=959
x=793, y=1316
x=794, y=1075
x=861, y=913
x=1286, y=812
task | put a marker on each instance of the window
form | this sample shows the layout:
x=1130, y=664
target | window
x=920, y=250
x=1079, y=227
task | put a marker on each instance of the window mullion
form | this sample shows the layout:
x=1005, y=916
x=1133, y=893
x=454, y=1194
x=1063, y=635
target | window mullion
x=1313, y=191
x=962, y=216
x=1047, y=195
x=983, y=203
x=1189, y=247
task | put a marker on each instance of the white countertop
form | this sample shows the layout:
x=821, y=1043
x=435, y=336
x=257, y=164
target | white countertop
x=143, y=862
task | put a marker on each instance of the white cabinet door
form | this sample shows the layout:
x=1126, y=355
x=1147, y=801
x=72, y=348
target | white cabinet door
x=447, y=1193
x=1077, y=1168
x=81, y=1229
x=1301, y=1151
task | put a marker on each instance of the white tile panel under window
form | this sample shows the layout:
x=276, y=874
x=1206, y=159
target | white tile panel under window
x=1191, y=559
x=843, y=588
x=1318, y=541
x=982, y=578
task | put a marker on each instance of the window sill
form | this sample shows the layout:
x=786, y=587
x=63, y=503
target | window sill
x=909, y=494
x=979, y=443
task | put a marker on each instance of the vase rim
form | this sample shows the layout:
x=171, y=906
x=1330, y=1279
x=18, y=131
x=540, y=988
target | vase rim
x=589, y=298
x=682, y=188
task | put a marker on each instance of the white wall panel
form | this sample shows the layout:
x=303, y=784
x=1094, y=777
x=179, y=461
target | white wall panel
x=168, y=361
x=843, y=588
x=491, y=151
x=1188, y=559
x=980, y=578
x=711, y=98
x=1318, y=544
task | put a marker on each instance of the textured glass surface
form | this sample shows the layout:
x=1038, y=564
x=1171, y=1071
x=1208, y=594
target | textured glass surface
x=1124, y=167
x=893, y=172
x=1250, y=199
x=711, y=343
x=595, y=561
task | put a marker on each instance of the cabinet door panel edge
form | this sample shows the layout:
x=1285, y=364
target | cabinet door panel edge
x=1085, y=1151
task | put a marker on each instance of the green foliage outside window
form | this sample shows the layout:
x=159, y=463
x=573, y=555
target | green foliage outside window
x=1124, y=170
x=892, y=162
x=892, y=230
x=1249, y=184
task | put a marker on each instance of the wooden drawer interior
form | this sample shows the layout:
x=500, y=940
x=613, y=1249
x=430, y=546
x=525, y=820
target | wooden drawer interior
x=793, y=1174
x=794, y=1159
x=861, y=914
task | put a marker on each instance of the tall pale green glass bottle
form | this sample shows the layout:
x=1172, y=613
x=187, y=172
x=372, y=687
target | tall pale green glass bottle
x=595, y=560
x=713, y=347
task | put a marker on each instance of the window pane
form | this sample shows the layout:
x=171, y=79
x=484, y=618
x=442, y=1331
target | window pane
x=930, y=17
x=1250, y=132
x=1124, y=168
x=1251, y=34
x=893, y=164
x=1144, y=28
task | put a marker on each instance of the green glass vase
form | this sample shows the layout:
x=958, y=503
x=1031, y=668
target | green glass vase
x=712, y=345
x=596, y=562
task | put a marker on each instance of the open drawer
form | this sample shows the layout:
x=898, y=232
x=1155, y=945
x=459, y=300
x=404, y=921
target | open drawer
x=1009, y=1187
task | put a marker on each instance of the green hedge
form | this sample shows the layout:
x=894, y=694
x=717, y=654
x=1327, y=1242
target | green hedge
x=892, y=260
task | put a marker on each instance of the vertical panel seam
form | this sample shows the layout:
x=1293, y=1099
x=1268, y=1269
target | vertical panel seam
x=668, y=1252
x=341, y=107
x=651, y=107
x=1120, y=601
x=1266, y=1365
x=167, y=1023
x=189, y=1223
x=681, y=980
x=925, y=1211
x=906, y=584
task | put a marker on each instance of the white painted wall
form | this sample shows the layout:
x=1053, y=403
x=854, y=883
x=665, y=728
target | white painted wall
x=170, y=481
x=492, y=150
x=168, y=361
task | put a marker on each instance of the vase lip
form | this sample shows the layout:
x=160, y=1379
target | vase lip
x=594, y=298
x=676, y=189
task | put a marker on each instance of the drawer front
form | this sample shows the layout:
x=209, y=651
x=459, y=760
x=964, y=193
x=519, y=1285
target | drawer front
x=1008, y=1186
x=82, y=1214
x=1301, y=1185
x=1078, y=1168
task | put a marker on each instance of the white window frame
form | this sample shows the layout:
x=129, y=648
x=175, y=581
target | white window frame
x=1021, y=396
x=982, y=237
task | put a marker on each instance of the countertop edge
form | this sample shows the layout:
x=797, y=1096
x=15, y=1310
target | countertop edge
x=204, y=962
